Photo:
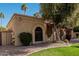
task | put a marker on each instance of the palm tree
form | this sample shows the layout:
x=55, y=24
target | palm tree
x=24, y=7
x=1, y=16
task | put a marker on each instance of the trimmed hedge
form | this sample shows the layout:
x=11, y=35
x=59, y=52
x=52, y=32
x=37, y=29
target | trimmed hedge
x=25, y=38
x=76, y=29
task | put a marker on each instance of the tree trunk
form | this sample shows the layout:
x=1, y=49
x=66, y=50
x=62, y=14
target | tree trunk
x=56, y=34
x=24, y=12
x=1, y=24
x=53, y=32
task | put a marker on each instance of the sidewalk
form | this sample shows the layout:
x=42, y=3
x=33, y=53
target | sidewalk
x=27, y=50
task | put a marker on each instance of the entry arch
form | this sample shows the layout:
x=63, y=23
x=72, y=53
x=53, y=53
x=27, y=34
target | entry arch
x=38, y=34
x=33, y=34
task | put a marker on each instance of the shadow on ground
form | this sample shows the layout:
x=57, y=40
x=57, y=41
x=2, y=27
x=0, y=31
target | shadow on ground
x=75, y=46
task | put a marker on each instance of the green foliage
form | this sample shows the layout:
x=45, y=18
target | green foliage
x=76, y=29
x=76, y=19
x=1, y=15
x=23, y=7
x=56, y=11
x=2, y=28
x=25, y=38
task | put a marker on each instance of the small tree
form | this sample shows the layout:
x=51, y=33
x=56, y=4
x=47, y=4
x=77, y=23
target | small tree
x=1, y=16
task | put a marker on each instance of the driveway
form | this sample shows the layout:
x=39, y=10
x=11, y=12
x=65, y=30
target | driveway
x=27, y=50
x=74, y=41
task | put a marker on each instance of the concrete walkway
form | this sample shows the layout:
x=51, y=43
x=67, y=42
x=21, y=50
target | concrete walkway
x=27, y=50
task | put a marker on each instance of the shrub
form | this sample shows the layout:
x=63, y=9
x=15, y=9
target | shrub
x=25, y=38
x=76, y=29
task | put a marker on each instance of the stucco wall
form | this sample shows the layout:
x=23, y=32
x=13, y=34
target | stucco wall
x=6, y=38
x=27, y=24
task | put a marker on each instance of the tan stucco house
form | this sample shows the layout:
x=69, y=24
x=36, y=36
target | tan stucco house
x=22, y=23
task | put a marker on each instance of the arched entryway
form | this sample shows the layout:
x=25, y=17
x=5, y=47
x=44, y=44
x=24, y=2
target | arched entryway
x=38, y=34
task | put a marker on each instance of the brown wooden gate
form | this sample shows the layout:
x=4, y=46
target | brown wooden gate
x=0, y=38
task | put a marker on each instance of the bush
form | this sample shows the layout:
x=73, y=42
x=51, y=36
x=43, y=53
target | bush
x=76, y=29
x=25, y=38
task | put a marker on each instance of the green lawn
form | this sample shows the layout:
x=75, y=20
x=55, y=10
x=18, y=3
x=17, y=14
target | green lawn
x=65, y=51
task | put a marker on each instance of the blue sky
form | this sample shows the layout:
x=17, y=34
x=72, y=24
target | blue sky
x=10, y=8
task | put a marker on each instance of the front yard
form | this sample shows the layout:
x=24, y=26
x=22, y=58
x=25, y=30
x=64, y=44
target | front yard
x=64, y=51
x=44, y=49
